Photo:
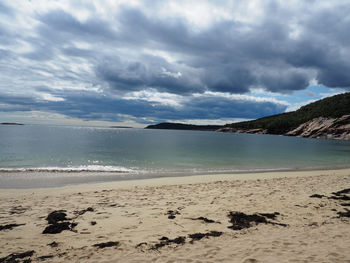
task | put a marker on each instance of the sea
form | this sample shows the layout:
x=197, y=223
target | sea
x=36, y=156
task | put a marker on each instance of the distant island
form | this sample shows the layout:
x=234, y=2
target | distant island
x=119, y=127
x=326, y=118
x=10, y=123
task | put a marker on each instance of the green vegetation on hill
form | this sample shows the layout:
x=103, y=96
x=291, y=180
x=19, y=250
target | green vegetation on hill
x=181, y=126
x=332, y=107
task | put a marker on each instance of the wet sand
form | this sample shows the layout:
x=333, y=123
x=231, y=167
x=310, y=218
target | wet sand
x=266, y=217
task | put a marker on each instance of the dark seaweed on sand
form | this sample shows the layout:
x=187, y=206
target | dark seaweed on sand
x=344, y=214
x=59, y=227
x=317, y=196
x=340, y=197
x=205, y=220
x=171, y=214
x=199, y=236
x=344, y=191
x=81, y=212
x=106, y=244
x=270, y=215
x=241, y=220
x=42, y=258
x=56, y=225
x=164, y=241
x=9, y=226
x=12, y=258
x=56, y=216
x=53, y=244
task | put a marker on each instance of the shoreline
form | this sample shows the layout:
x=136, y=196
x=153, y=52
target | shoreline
x=184, y=179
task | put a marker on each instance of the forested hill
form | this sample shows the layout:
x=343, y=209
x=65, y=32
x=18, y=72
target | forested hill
x=331, y=107
x=326, y=118
x=181, y=126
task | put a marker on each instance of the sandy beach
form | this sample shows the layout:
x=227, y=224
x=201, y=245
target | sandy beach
x=300, y=216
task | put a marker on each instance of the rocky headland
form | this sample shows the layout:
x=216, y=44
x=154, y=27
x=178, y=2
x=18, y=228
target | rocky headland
x=327, y=128
x=328, y=118
x=333, y=128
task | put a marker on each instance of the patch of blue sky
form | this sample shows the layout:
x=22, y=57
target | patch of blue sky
x=299, y=98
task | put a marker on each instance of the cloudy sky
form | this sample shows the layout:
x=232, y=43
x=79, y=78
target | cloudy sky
x=138, y=62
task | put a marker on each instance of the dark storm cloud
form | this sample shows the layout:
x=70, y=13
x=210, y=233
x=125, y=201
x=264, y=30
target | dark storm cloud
x=135, y=49
x=335, y=78
x=212, y=53
x=10, y=103
x=289, y=80
x=333, y=23
x=155, y=72
x=223, y=57
x=64, y=26
x=136, y=27
x=208, y=107
x=228, y=54
x=228, y=78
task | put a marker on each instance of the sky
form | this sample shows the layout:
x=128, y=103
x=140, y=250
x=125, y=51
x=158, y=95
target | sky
x=140, y=62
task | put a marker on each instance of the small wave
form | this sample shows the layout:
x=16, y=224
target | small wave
x=77, y=169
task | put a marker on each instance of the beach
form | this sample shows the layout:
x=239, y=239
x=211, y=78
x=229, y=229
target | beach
x=295, y=216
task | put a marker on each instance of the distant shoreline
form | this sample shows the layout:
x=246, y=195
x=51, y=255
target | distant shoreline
x=11, y=123
x=318, y=128
x=121, y=127
x=180, y=178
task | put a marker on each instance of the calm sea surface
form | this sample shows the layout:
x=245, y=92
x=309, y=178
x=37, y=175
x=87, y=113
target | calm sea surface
x=41, y=156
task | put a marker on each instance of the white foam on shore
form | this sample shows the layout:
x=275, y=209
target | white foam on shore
x=159, y=171
x=73, y=169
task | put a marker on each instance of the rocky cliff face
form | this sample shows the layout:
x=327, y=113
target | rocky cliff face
x=338, y=128
x=330, y=128
x=255, y=131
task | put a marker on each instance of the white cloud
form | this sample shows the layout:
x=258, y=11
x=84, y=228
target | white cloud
x=171, y=74
x=151, y=95
x=242, y=97
x=50, y=97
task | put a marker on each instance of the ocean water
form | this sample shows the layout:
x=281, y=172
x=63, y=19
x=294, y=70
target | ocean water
x=45, y=156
